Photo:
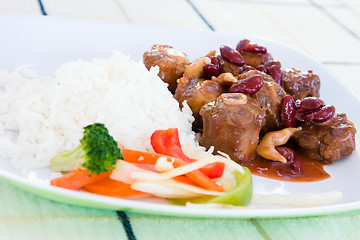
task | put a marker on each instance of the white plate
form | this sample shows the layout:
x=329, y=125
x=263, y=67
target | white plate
x=46, y=42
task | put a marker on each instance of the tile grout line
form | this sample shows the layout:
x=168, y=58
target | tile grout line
x=42, y=9
x=122, y=10
x=200, y=15
x=334, y=19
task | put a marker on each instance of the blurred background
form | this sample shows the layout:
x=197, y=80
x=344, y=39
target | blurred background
x=328, y=30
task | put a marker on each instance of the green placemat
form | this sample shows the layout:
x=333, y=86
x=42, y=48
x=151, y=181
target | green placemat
x=27, y=216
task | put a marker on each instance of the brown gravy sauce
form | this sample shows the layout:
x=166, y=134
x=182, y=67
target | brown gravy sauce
x=311, y=170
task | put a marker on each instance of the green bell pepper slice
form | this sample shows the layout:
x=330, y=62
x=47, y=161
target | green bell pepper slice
x=240, y=196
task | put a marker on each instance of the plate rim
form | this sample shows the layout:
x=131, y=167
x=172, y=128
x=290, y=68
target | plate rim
x=85, y=199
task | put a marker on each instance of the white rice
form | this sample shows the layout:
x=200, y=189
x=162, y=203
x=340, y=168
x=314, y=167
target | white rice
x=39, y=118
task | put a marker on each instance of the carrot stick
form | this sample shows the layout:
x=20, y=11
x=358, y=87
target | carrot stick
x=199, y=177
x=204, y=181
x=111, y=188
x=186, y=180
x=77, y=179
x=213, y=170
x=134, y=156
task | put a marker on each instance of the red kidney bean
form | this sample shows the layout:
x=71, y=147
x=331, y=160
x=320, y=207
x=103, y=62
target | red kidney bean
x=248, y=68
x=212, y=69
x=275, y=72
x=287, y=152
x=250, y=85
x=288, y=111
x=254, y=48
x=310, y=104
x=271, y=63
x=242, y=44
x=248, y=46
x=215, y=60
x=261, y=68
x=324, y=114
x=231, y=55
x=295, y=168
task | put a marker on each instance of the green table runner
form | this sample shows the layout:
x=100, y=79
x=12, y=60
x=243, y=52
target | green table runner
x=27, y=216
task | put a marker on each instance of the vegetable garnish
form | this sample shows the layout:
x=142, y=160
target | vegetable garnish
x=151, y=158
x=97, y=152
x=175, y=184
x=134, y=156
x=167, y=142
x=111, y=188
x=240, y=196
x=167, y=173
x=77, y=179
x=165, y=188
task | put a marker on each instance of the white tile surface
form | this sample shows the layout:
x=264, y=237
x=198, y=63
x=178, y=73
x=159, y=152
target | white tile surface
x=348, y=76
x=329, y=3
x=328, y=30
x=245, y=19
x=93, y=9
x=353, y=5
x=19, y=7
x=349, y=19
x=175, y=13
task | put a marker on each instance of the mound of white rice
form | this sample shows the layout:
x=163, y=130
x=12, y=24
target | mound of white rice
x=39, y=118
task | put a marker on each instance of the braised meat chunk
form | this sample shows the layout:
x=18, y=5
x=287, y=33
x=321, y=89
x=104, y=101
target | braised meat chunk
x=241, y=95
x=256, y=59
x=195, y=90
x=269, y=97
x=300, y=84
x=232, y=125
x=329, y=140
x=172, y=63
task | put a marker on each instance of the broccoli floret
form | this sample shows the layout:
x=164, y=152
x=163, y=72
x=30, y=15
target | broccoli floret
x=97, y=152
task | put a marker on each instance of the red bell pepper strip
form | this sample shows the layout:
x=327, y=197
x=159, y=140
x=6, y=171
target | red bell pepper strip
x=167, y=142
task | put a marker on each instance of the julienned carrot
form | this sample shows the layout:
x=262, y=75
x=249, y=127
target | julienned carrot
x=111, y=188
x=213, y=170
x=77, y=179
x=204, y=181
x=185, y=179
x=133, y=156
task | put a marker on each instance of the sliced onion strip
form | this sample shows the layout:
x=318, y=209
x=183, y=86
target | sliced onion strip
x=172, y=189
x=123, y=170
x=152, y=176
